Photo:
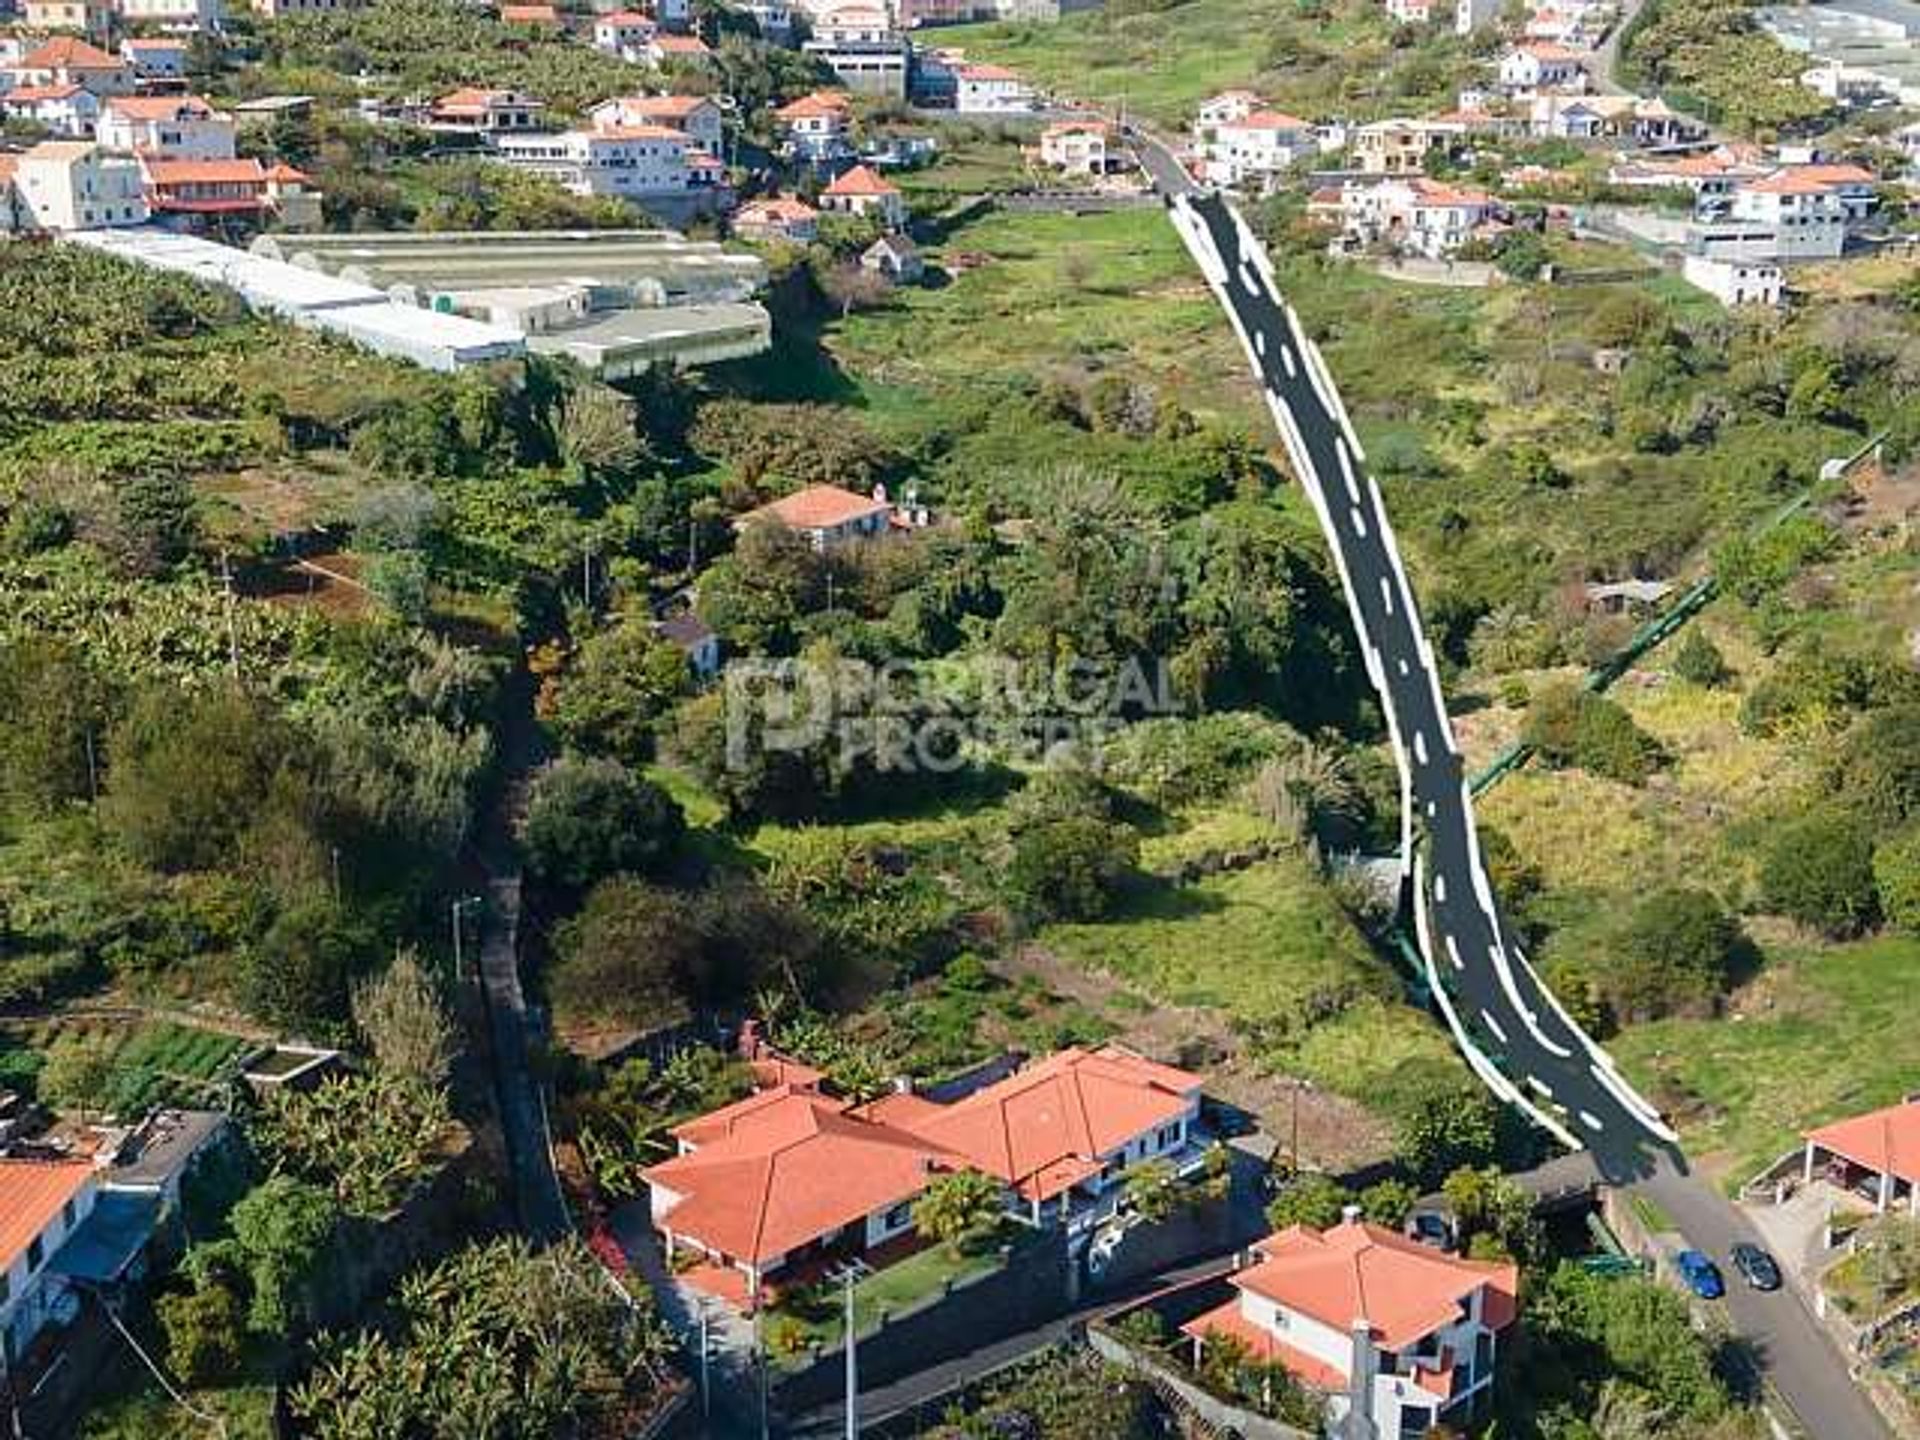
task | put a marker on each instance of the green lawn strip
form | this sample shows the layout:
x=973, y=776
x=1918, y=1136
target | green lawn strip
x=815, y=1315
x=1831, y=1033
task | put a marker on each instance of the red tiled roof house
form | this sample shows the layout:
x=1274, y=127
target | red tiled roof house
x=1372, y=1320
x=790, y=1175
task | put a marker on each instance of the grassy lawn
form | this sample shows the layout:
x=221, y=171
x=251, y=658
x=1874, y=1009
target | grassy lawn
x=815, y=1315
x=1826, y=1031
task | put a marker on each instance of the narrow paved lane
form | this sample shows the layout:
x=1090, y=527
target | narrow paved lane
x=1523, y=1046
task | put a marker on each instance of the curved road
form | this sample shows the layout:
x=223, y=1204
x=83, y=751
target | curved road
x=1520, y=1042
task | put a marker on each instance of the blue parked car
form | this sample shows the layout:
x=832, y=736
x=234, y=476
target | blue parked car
x=1701, y=1274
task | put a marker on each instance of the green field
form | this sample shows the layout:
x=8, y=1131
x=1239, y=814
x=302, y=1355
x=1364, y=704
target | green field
x=1314, y=60
x=1269, y=948
x=155, y=1062
x=1827, y=1031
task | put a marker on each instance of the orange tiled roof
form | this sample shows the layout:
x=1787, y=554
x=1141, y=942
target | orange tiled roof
x=478, y=98
x=68, y=53
x=676, y=105
x=1268, y=120
x=32, y=1192
x=1887, y=1140
x=1227, y=1321
x=530, y=14
x=1792, y=181
x=32, y=94
x=680, y=44
x=861, y=180
x=820, y=102
x=795, y=1168
x=1046, y=1128
x=819, y=507
x=780, y=209
x=160, y=107
x=1434, y=192
x=624, y=18
x=203, y=172
x=1357, y=1271
x=986, y=72
x=1839, y=174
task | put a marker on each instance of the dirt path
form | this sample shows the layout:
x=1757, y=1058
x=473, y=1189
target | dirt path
x=1336, y=1133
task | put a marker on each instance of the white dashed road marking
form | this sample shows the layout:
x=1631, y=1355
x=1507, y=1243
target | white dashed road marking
x=1493, y=1026
x=1590, y=1120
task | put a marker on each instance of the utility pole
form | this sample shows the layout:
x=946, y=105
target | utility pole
x=853, y=1363
x=233, y=633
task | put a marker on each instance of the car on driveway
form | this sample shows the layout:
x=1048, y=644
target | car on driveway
x=1701, y=1274
x=1756, y=1266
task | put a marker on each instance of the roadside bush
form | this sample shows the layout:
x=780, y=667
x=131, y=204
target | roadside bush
x=1818, y=870
x=206, y=1333
x=1569, y=726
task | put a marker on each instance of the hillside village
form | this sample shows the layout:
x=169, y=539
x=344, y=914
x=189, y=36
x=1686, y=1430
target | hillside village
x=688, y=760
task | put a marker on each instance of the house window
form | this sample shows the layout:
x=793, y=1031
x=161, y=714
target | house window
x=66, y=1214
x=1169, y=1134
x=36, y=1254
x=898, y=1216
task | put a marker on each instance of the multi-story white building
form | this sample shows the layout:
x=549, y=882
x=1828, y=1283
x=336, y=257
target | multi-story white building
x=1540, y=65
x=624, y=33
x=633, y=162
x=1804, y=213
x=1413, y=215
x=176, y=127
x=63, y=110
x=1386, y=1329
x=1252, y=146
x=866, y=54
x=695, y=116
x=177, y=17
x=816, y=126
x=74, y=185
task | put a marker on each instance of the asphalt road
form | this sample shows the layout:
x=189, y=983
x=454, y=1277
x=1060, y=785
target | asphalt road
x=1519, y=1041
